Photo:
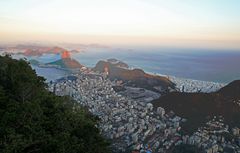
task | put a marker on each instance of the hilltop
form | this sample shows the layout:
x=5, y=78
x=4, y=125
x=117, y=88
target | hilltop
x=134, y=77
x=66, y=62
x=231, y=91
x=197, y=108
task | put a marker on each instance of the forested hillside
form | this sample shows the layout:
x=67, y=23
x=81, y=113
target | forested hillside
x=33, y=120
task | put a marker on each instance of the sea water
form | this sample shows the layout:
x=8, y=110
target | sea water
x=198, y=64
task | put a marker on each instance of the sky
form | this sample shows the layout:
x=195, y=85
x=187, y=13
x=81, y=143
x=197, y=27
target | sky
x=194, y=23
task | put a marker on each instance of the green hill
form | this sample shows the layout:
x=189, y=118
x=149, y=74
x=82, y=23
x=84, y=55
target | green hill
x=33, y=120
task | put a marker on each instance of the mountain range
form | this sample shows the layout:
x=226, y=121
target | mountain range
x=36, y=50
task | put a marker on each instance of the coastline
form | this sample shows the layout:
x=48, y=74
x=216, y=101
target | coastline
x=182, y=84
x=192, y=85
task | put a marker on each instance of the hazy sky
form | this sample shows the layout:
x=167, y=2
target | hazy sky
x=205, y=23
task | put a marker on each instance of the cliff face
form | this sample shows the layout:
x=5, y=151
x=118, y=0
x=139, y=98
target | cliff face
x=65, y=55
x=71, y=63
x=135, y=77
x=198, y=107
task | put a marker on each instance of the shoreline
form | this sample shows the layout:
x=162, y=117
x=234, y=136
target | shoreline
x=182, y=84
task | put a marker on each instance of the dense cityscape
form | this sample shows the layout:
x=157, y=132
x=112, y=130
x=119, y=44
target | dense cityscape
x=119, y=76
x=131, y=122
x=128, y=117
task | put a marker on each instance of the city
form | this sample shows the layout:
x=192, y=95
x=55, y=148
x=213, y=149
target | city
x=133, y=124
x=119, y=76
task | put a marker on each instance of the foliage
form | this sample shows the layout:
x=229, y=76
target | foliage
x=186, y=148
x=33, y=120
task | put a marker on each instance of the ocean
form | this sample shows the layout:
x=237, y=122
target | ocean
x=50, y=74
x=199, y=64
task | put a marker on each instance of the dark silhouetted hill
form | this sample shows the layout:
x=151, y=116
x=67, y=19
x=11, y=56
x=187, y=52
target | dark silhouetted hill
x=198, y=107
x=232, y=90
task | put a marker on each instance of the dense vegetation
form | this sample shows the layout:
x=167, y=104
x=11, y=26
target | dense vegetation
x=33, y=120
x=185, y=148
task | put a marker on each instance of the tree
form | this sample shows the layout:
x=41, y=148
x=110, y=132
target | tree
x=186, y=148
x=33, y=120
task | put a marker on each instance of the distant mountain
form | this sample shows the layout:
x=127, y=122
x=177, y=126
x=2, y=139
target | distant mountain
x=66, y=62
x=65, y=55
x=75, y=51
x=118, y=63
x=135, y=77
x=198, y=107
x=34, y=62
x=38, y=51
